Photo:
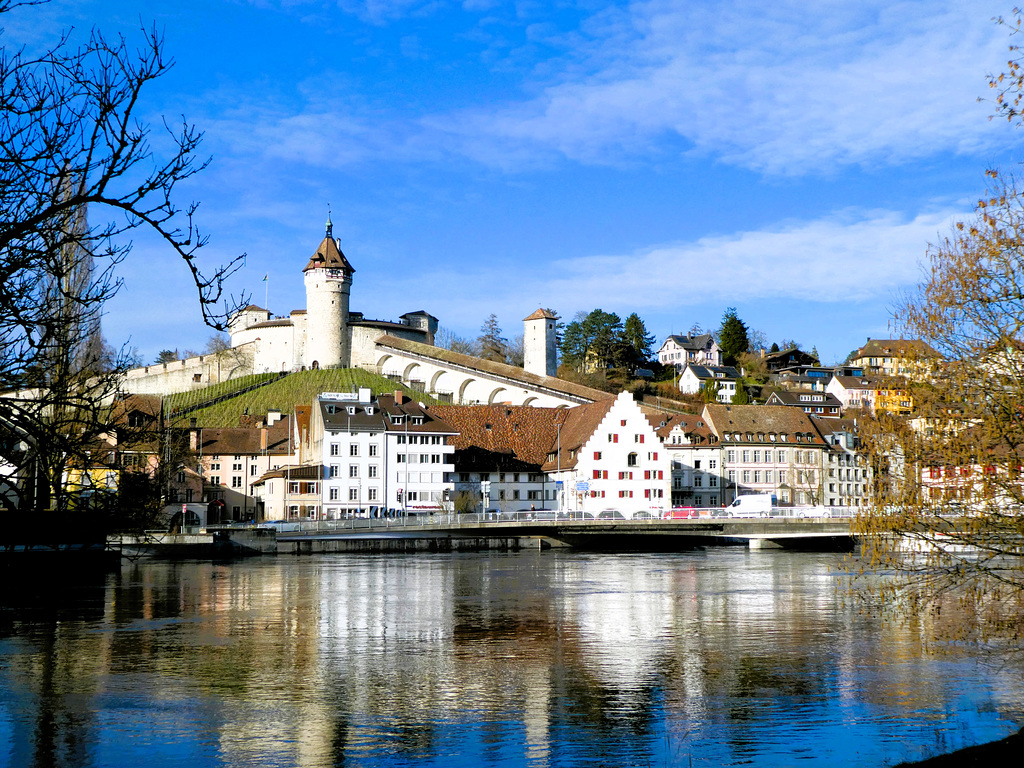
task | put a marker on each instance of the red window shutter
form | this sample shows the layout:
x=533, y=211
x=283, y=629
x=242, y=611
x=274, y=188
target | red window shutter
x=597, y=474
x=647, y=474
x=655, y=455
x=647, y=493
x=604, y=474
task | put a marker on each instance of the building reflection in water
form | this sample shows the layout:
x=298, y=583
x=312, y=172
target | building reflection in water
x=531, y=659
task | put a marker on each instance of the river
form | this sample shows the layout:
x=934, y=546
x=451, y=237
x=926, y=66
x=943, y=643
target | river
x=704, y=658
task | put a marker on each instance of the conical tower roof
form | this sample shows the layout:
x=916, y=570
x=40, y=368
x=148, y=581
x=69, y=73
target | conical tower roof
x=328, y=255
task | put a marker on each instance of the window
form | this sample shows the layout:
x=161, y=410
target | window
x=353, y=449
x=746, y=456
x=215, y=480
x=782, y=476
x=597, y=455
x=781, y=457
x=533, y=495
x=501, y=494
x=746, y=475
x=696, y=464
x=631, y=460
x=712, y=481
x=353, y=494
x=757, y=475
x=293, y=487
x=463, y=477
x=252, y=471
x=401, y=440
x=435, y=458
x=236, y=482
x=730, y=456
x=757, y=456
x=712, y=464
x=698, y=481
x=732, y=476
x=335, y=449
x=335, y=469
x=515, y=495
x=373, y=449
x=215, y=467
x=638, y=438
x=597, y=474
x=400, y=458
x=767, y=475
x=332, y=494
x=622, y=423
x=353, y=470
x=613, y=438
x=501, y=477
x=371, y=494
x=371, y=471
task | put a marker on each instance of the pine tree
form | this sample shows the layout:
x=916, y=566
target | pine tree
x=492, y=343
x=732, y=337
x=634, y=333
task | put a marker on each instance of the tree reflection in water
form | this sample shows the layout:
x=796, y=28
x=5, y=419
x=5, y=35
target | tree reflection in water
x=537, y=659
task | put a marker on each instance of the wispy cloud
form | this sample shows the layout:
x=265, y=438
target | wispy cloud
x=856, y=256
x=769, y=87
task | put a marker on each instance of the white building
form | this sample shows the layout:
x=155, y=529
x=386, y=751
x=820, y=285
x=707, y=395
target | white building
x=381, y=455
x=608, y=455
x=325, y=334
x=678, y=350
x=694, y=377
x=698, y=473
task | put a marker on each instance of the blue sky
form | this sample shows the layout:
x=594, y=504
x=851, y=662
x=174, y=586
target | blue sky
x=792, y=160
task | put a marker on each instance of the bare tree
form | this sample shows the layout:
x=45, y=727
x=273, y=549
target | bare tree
x=446, y=339
x=949, y=515
x=78, y=175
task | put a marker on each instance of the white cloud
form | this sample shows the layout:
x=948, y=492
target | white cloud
x=769, y=87
x=852, y=257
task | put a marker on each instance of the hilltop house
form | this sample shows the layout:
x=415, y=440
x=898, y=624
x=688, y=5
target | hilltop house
x=695, y=376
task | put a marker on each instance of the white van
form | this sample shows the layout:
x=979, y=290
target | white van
x=752, y=505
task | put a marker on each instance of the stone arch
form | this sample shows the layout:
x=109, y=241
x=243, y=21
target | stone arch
x=435, y=378
x=382, y=360
x=407, y=373
x=463, y=387
x=494, y=395
x=531, y=400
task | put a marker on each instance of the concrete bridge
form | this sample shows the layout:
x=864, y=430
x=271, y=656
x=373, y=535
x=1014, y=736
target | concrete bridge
x=474, y=531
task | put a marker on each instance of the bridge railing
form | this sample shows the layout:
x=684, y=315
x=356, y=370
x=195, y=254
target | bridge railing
x=544, y=518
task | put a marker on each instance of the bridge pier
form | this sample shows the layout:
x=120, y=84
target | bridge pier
x=763, y=544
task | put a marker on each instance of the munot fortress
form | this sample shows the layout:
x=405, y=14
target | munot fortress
x=327, y=334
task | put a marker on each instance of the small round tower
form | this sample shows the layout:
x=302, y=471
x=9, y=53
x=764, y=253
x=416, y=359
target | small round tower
x=328, y=279
x=539, y=340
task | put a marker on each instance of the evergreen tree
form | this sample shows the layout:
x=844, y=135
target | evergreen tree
x=492, y=343
x=634, y=333
x=709, y=391
x=732, y=337
x=741, y=397
x=774, y=349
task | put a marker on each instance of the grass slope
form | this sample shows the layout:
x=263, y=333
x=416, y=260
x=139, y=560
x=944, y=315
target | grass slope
x=185, y=399
x=296, y=389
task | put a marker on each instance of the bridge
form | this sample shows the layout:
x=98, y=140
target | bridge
x=475, y=531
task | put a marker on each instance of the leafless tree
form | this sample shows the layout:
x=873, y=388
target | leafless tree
x=79, y=175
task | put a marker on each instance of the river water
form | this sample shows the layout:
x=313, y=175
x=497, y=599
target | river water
x=706, y=658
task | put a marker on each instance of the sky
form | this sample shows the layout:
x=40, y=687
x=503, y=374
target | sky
x=792, y=160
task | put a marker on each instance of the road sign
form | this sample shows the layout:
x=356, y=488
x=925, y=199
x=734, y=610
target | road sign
x=583, y=486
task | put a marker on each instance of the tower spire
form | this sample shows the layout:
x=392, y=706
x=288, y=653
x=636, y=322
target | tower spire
x=330, y=226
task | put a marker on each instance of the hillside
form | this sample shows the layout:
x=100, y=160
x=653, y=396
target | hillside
x=295, y=389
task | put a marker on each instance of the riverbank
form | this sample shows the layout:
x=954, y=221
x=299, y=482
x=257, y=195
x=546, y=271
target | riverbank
x=1006, y=751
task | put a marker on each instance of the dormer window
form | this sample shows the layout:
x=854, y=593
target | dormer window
x=397, y=418
x=369, y=410
x=417, y=420
x=330, y=409
x=351, y=410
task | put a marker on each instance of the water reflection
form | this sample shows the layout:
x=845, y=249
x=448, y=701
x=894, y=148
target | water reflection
x=538, y=659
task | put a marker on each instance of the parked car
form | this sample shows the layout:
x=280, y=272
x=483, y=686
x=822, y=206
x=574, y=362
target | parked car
x=610, y=514
x=680, y=513
x=643, y=514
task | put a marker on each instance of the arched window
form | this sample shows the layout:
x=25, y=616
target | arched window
x=631, y=460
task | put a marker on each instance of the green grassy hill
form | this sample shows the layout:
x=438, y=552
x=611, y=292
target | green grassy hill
x=295, y=389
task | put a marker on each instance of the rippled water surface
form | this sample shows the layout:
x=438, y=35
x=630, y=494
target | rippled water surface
x=723, y=657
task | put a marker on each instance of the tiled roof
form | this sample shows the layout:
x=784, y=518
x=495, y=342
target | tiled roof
x=895, y=348
x=793, y=399
x=497, y=369
x=580, y=423
x=762, y=420
x=303, y=472
x=245, y=440
x=691, y=343
x=279, y=323
x=541, y=314
x=710, y=372
x=328, y=256
x=690, y=425
x=519, y=432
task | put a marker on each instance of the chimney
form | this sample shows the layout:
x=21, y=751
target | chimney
x=399, y=398
x=193, y=439
x=263, y=439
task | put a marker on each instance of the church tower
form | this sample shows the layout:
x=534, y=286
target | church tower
x=539, y=339
x=328, y=278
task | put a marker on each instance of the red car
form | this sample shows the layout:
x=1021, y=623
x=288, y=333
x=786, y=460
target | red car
x=680, y=513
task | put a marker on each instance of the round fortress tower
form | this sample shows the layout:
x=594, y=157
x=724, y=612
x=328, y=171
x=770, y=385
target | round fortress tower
x=328, y=279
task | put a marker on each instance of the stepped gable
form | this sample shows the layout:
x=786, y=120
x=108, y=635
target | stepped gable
x=497, y=369
x=580, y=423
x=502, y=435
